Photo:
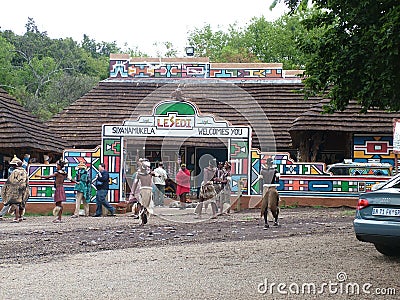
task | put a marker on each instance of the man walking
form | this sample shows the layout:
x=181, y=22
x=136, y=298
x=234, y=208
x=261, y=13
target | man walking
x=102, y=187
x=160, y=176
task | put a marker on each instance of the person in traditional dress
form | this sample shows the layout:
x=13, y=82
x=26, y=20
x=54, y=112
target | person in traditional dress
x=59, y=195
x=207, y=190
x=270, y=196
x=182, y=185
x=15, y=191
x=218, y=186
x=11, y=167
x=82, y=189
x=144, y=177
x=225, y=194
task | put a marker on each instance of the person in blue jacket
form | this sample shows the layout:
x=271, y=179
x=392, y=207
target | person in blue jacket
x=102, y=186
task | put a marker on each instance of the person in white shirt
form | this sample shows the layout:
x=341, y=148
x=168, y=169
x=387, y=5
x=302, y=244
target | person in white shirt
x=160, y=176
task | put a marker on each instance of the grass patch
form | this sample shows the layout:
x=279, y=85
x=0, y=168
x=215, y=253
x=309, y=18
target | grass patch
x=45, y=214
x=27, y=214
x=317, y=206
x=294, y=205
x=349, y=213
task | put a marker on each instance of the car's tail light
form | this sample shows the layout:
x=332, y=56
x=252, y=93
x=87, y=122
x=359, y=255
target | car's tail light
x=362, y=203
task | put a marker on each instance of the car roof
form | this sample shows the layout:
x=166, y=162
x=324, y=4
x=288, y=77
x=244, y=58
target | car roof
x=390, y=182
x=361, y=165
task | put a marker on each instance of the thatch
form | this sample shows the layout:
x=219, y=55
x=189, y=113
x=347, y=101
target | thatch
x=241, y=103
x=349, y=120
x=19, y=129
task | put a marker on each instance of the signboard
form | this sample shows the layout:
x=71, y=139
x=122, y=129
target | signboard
x=176, y=119
x=180, y=118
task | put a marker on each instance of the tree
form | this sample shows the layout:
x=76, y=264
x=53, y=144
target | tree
x=278, y=41
x=259, y=41
x=97, y=50
x=133, y=52
x=6, y=68
x=64, y=91
x=170, y=50
x=206, y=42
x=358, y=55
x=46, y=75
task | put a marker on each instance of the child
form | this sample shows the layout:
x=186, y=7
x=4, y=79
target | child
x=59, y=195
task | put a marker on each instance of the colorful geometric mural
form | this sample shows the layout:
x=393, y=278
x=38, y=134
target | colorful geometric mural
x=112, y=159
x=155, y=68
x=239, y=158
x=309, y=179
x=42, y=190
x=172, y=118
x=373, y=149
x=92, y=159
x=297, y=179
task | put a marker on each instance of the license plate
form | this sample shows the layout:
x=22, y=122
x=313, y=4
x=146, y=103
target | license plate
x=391, y=212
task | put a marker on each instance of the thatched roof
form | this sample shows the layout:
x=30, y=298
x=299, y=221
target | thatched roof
x=19, y=129
x=349, y=120
x=265, y=106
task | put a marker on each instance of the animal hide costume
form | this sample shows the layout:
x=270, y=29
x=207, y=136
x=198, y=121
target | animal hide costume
x=16, y=188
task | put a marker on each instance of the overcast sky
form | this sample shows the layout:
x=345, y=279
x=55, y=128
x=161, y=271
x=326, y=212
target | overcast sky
x=138, y=23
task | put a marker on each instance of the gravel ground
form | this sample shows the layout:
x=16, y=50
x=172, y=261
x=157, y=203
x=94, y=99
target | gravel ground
x=177, y=257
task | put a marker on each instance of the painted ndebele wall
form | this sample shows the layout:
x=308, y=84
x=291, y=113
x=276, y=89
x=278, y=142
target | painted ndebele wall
x=123, y=66
x=297, y=179
x=373, y=149
x=309, y=179
x=42, y=190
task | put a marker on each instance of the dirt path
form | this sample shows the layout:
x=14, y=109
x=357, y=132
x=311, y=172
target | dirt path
x=38, y=239
x=231, y=257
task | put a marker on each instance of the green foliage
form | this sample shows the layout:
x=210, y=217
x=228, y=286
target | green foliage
x=6, y=68
x=46, y=75
x=169, y=51
x=97, y=50
x=221, y=46
x=259, y=41
x=208, y=43
x=278, y=41
x=358, y=55
x=64, y=91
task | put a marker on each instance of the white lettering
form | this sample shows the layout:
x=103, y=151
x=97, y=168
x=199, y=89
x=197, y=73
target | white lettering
x=213, y=131
x=129, y=130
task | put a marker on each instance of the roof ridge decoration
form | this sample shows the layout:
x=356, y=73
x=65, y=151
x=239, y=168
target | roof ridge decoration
x=124, y=67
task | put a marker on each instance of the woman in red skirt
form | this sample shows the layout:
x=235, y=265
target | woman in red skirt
x=59, y=195
x=182, y=185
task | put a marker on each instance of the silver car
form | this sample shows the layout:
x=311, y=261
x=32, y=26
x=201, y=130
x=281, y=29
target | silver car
x=377, y=218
